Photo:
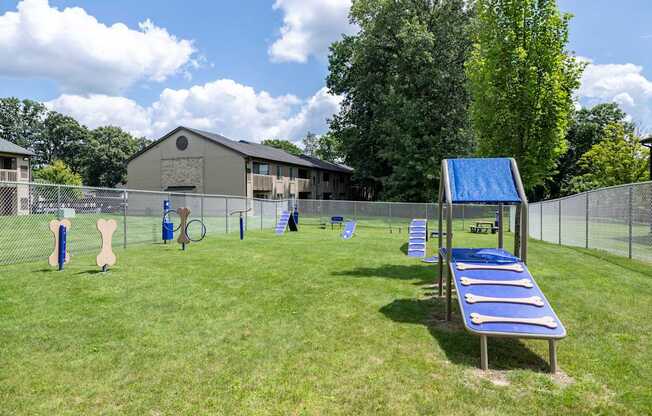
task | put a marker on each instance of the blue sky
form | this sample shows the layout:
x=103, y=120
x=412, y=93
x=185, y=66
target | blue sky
x=249, y=69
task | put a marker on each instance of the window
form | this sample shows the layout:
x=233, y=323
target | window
x=304, y=174
x=326, y=176
x=8, y=163
x=261, y=168
x=292, y=173
x=182, y=143
x=24, y=172
x=279, y=196
x=279, y=171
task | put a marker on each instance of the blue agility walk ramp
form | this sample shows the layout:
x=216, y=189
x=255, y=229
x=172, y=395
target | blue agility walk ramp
x=349, y=230
x=417, y=237
x=497, y=295
x=285, y=221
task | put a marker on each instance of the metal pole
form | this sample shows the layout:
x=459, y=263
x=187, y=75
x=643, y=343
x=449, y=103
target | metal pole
x=201, y=207
x=354, y=211
x=587, y=220
x=631, y=219
x=559, y=218
x=59, y=202
x=261, y=215
x=500, y=227
x=541, y=216
x=484, y=356
x=552, y=349
x=124, y=217
x=389, y=204
x=226, y=214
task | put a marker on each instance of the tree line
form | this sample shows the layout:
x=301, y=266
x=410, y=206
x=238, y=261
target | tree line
x=66, y=151
x=428, y=80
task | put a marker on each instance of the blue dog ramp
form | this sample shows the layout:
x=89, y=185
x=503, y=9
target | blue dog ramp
x=349, y=230
x=417, y=232
x=282, y=222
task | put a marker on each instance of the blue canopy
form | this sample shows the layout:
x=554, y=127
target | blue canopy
x=482, y=181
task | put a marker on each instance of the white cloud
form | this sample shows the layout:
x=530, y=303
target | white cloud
x=624, y=84
x=309, y=27
x=223, y=106
x=84, y=55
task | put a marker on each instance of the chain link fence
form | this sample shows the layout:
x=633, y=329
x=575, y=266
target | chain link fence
x=27, y=208
x=616, y=219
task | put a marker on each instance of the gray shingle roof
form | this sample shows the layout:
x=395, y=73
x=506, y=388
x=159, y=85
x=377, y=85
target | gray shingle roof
x=322, y=164
x=9, y=147
x=256, y=150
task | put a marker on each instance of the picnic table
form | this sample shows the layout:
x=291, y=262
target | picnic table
x=484, y=227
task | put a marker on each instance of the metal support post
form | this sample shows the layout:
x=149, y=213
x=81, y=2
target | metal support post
x=559, y=218
x=631, y=219
x=587, y=221
x=552, y=349
x=501, y=237
x=124, y=218
x=226, y=214
x=484, y=355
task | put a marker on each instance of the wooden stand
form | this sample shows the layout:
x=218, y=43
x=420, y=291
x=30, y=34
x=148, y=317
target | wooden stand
x=106, y=258
x=183, y=239
x=53, y=260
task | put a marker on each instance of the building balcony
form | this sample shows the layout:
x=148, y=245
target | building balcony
x=8, y=175
x=262, y=182
x=304, y=185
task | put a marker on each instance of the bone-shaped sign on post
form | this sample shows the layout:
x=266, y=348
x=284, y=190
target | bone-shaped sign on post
x=184, y=213
x=106, y=228
x=53, y=260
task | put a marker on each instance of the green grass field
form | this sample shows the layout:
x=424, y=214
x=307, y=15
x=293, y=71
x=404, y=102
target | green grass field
x=307, y=323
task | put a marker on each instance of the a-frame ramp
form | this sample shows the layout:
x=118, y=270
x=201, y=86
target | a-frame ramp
x=417, y=232
x=286, y=220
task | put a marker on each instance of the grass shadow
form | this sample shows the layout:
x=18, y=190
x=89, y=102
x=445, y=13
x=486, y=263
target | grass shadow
x=460, y=346
x=427, y=273
x=404, y=248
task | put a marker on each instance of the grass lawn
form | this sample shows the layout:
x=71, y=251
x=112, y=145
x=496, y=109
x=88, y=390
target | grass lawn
x=307, y=323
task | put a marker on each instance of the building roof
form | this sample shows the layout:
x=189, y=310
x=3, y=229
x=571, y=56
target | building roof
x=9, y=147
x=322, y=164
x=255, y=150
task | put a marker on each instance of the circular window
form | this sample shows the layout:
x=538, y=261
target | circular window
x=182, y=142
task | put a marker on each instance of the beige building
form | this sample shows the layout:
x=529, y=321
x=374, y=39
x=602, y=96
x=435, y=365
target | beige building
x=14, y=167
x=191, y=160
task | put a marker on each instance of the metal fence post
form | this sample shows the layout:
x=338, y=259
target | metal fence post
x=587, y=221
x=541, y=220
x=354, y=211
x=261, y=215
x=58, y=202
x=631, y=219
x=226, y=215
x=201, y=207
x=124, y=218
x=559, y=217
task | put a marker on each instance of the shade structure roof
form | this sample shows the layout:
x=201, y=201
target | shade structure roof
x=482, y=181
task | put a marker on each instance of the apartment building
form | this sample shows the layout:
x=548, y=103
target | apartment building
x=14, y=167
x=191, y=160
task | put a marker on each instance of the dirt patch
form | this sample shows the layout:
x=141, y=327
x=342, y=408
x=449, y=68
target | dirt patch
x=496, y=377
x=562, y=379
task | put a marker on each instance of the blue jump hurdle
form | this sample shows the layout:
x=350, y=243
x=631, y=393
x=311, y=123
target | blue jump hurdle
x=417, y=236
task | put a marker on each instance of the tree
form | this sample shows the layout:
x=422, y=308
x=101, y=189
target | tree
x=59, y=173
x=405, y=102
x=326, y=147
x=586, y=129
x=617, y=159
x=286, y=145
x=63, y=139
x=310, y=144
x=329, y=148
x=21, y=121
x=104, y=158
x=522, y=80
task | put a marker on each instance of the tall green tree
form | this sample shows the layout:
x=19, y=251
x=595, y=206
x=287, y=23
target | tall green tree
x=522, y=79
x=63, y=139
x=617, y=159
x=325, y=147
x=587, y=128
x=104, y=157
x=21, y=121
x=286, y=145
x=405, y=102
x=58, y=172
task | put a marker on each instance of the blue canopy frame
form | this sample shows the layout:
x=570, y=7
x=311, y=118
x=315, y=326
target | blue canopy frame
x=494, y=181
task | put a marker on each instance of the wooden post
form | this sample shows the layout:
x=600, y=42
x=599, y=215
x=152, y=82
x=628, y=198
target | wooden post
x=552, y=348
x=484, y=355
